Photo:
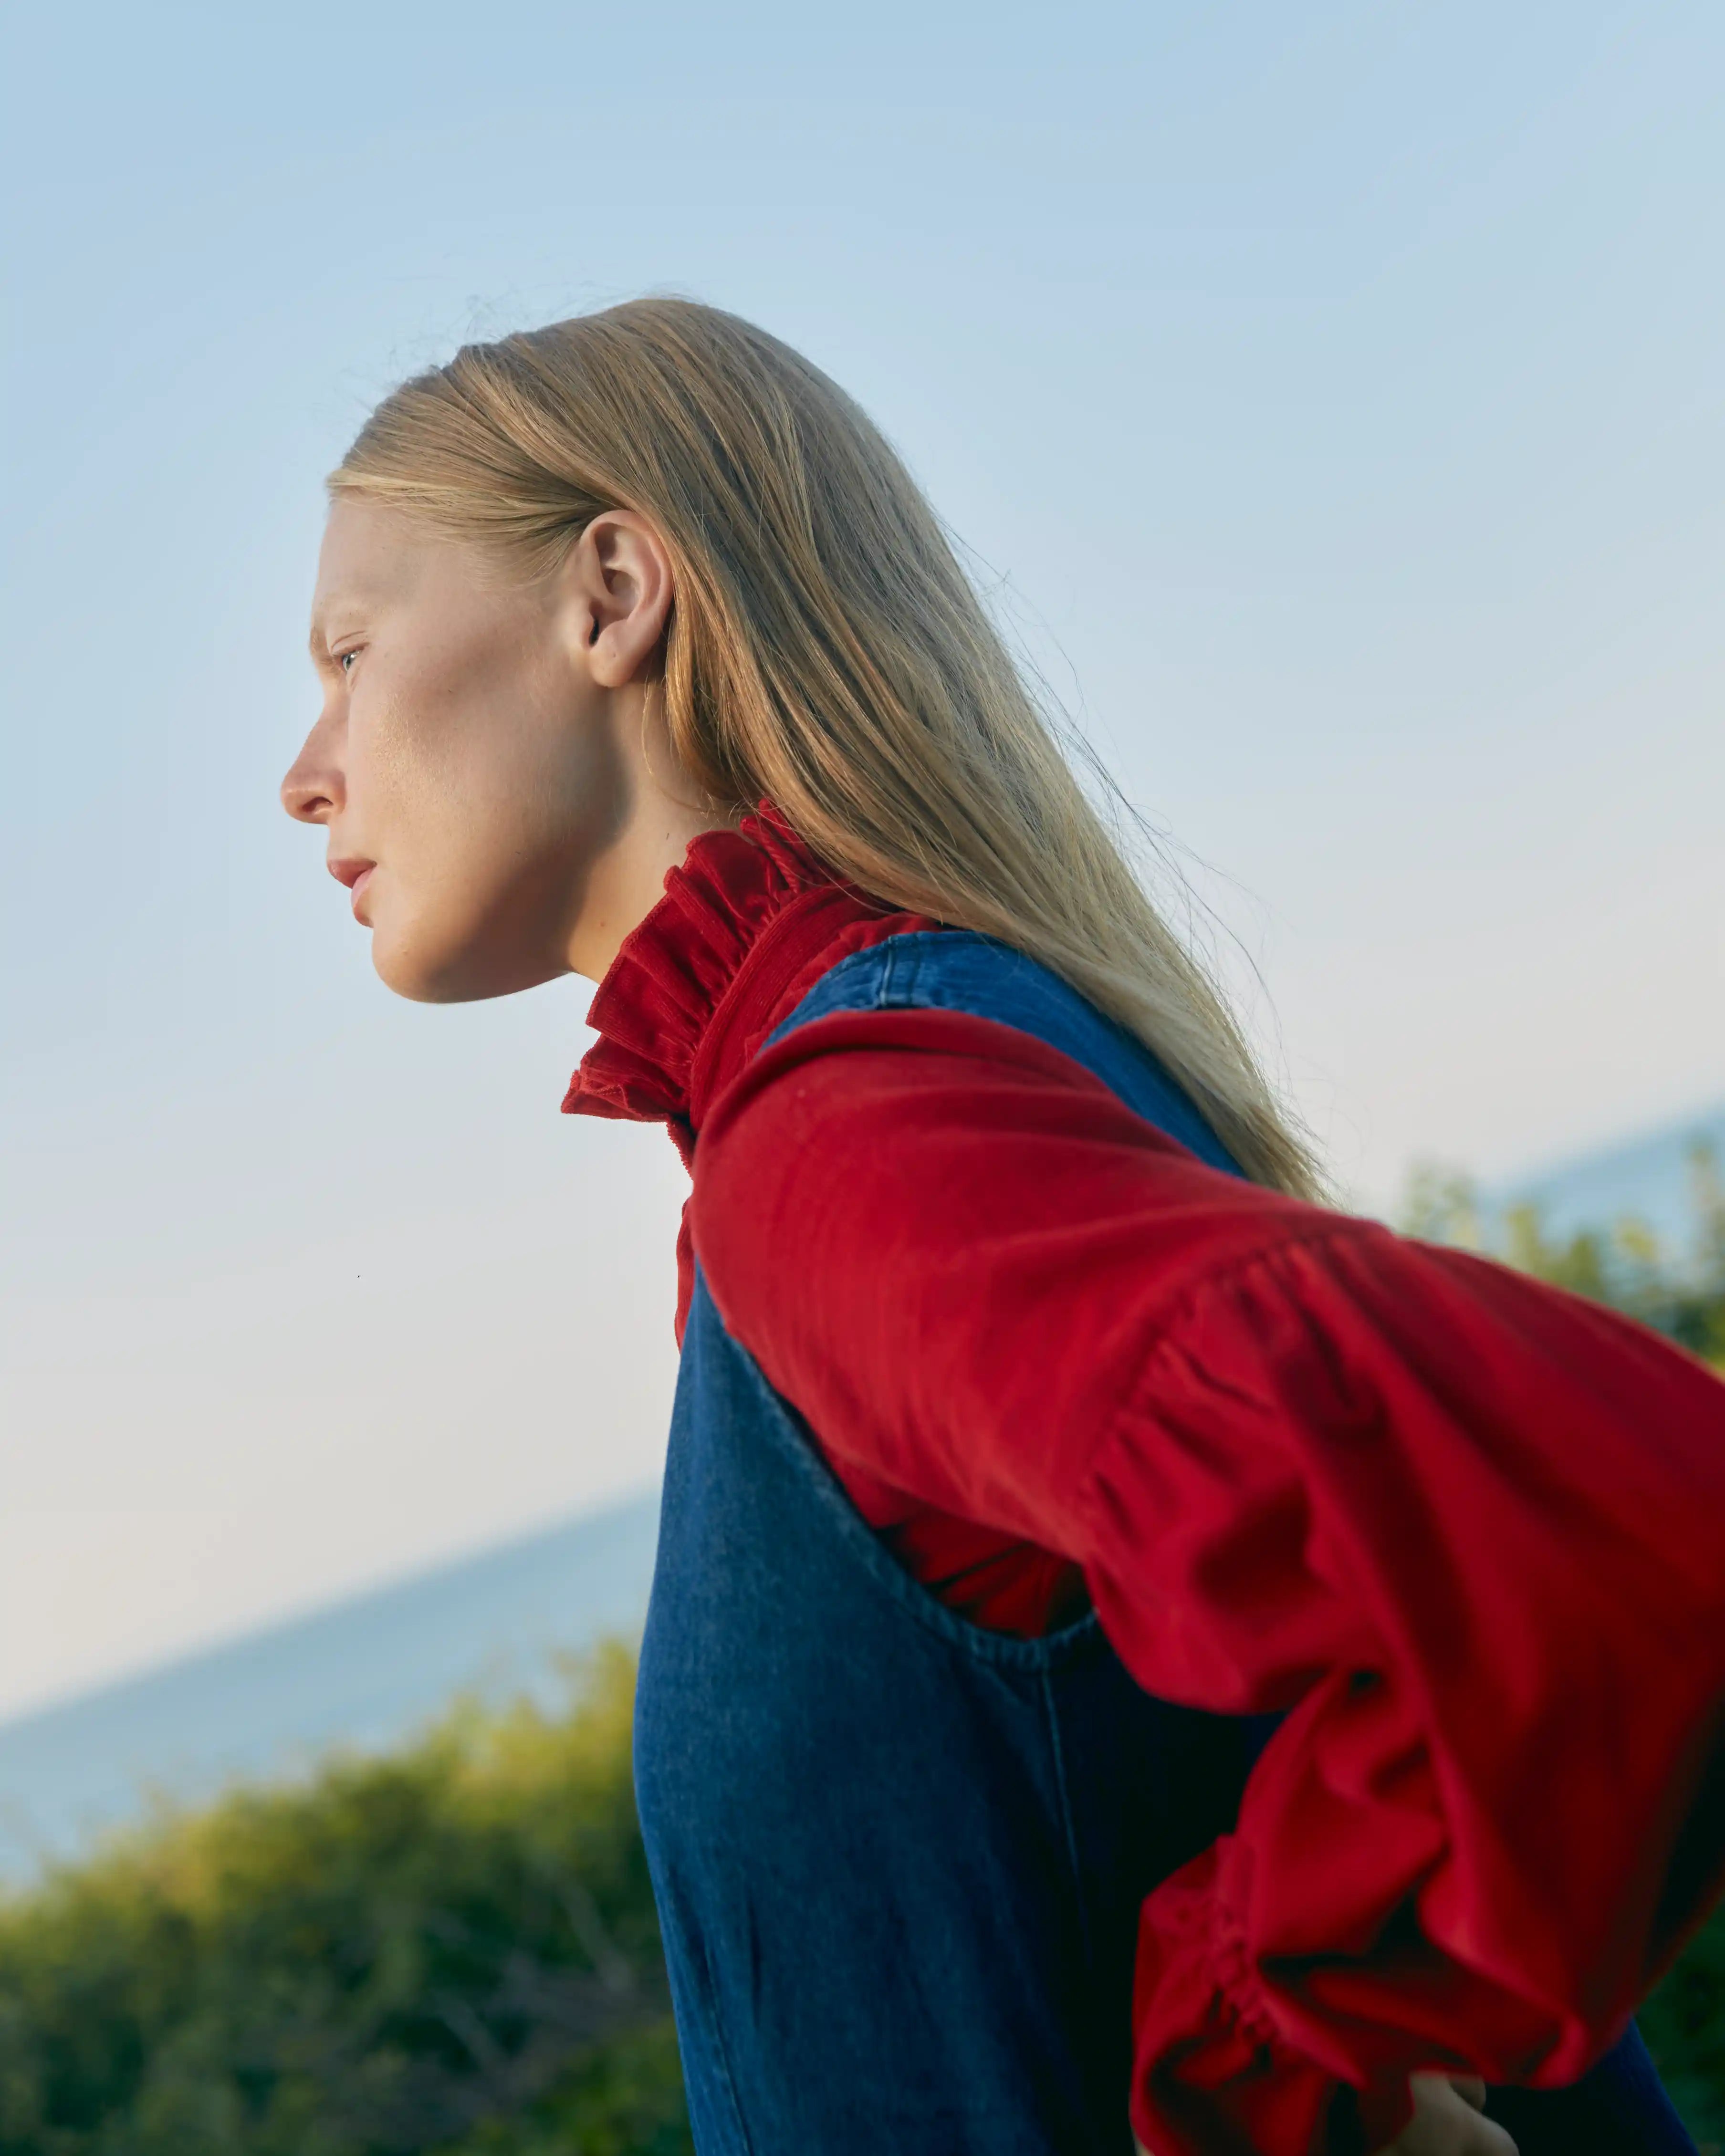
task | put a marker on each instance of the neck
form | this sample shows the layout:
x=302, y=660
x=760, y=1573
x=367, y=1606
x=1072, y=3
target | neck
x=626, y=879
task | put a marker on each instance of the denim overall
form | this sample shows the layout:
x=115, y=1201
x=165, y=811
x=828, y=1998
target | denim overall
x=899, y=1860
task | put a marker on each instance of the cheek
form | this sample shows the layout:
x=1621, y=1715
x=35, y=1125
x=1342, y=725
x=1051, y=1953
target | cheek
x=385, y=767
x=488, y=823
x=498, y=797
x=419, y=774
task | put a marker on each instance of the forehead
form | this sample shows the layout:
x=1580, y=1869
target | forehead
x=370, y=557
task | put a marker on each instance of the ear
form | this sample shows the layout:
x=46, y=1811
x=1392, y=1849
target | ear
x=618, y=589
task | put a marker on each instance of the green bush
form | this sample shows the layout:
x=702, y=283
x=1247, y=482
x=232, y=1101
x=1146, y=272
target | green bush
x=453, y=1946
x=1684, y=2024
x=1624, y=1265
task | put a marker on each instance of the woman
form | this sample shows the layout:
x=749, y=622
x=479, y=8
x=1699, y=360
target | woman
x=1125, y=1636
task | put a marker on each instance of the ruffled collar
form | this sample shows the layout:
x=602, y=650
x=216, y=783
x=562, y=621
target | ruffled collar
x=654, y=1010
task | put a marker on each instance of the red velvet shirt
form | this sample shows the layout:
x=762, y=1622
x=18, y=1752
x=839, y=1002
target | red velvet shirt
x=1469, y=1529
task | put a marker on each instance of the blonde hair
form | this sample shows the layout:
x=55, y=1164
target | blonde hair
x=826, y=649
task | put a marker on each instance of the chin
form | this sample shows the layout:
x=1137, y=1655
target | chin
x=458, y=973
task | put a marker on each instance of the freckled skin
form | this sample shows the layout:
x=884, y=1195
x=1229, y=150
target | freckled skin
x=492, y=746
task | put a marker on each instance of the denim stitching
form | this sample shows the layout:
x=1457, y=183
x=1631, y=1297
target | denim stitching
x=721, y=2050
x=1063, y=1794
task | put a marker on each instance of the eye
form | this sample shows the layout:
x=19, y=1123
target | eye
x=344, y=661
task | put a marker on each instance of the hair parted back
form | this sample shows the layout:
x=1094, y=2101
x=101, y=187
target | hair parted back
x=826, y=649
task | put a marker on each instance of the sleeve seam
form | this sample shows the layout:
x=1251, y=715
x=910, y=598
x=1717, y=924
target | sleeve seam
x=1172, y=1322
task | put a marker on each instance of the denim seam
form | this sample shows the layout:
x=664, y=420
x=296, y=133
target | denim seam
x=890, y=967
x=1063, y=1795
x=721, y=2049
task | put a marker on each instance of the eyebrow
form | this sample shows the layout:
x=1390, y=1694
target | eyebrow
x=317, y=642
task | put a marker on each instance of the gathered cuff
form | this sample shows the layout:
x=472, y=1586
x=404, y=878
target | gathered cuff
x=1216, y=2074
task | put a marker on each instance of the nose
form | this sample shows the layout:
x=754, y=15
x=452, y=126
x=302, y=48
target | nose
x=314, y=791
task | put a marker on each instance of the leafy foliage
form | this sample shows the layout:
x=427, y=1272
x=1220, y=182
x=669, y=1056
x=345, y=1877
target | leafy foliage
x=1684, y=2025
x=1625, y=1264
x=452, y=1947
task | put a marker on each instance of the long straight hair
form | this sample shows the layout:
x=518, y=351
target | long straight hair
x=826, y=649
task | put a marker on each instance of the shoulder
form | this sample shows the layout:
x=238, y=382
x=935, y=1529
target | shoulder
x=903, y=1145
x=880, y=1094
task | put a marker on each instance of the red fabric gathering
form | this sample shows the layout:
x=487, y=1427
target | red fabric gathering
x=1467, y=1530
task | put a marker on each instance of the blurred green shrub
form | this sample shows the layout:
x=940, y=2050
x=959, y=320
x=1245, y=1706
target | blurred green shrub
x=453, y=1946
x=1623, y=1264
x=1684, y=2025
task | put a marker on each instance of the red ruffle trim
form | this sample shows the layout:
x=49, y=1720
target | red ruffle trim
x=652, y=1010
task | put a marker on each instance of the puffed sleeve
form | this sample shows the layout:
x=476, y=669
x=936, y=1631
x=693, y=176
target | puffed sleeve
x=1476, y=1530
x=1466, y=1531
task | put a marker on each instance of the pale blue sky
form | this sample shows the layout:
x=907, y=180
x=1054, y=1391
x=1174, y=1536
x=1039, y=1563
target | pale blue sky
x=1340, y=391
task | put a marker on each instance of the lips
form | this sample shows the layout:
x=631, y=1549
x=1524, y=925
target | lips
x=355, y=872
